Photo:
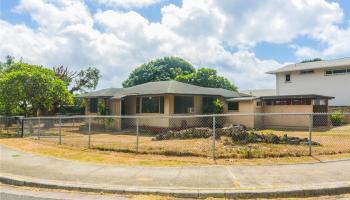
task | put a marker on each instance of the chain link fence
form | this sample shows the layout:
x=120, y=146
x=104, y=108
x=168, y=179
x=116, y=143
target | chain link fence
x=10, y=126
x=216, y=136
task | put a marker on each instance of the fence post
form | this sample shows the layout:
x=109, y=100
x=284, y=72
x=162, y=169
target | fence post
x=60, y=132
x=214, y=137
x=39, y=128
x=89, y=133
x=137, y=135
x=17, y=128
x=310, y=133
x=22, y=123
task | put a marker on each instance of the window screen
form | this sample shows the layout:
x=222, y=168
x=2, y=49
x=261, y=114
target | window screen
x=233, y=106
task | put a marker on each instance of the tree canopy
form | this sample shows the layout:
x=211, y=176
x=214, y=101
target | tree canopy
x=175, y=68
x=311, y=60
x=206, y=77
x=162, y=69
x=29, y=88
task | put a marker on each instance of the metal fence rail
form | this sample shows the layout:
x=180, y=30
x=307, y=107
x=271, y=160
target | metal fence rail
x=248, y=135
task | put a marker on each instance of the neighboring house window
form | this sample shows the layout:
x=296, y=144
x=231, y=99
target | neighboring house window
x=311, y=71
x=183, y=104
x=287, y=77
x=233, y=106
x=93, y=105
x=288, y=102
x=150, y=104
x=337, y=72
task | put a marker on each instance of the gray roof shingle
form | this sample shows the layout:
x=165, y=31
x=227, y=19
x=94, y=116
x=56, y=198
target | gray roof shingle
x=163, y=87
x=342, y=62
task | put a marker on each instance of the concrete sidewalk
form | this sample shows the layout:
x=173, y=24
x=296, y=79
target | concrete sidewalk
x=223, y=181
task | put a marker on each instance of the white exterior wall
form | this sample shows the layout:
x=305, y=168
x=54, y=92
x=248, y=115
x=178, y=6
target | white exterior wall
x=337, y=86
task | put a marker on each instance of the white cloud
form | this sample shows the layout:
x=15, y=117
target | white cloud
x=56, y=16
x=67, y=34
x=128, y=4
x=336, y=40
x=244, y=24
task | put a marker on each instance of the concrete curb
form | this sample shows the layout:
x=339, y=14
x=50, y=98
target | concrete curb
x=310, y=191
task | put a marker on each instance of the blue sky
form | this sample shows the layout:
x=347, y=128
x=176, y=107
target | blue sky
x=240, y=39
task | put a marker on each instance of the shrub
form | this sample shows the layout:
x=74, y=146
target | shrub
x=185, y=134
x=233, y=134
x=272, y=138
x=337, y=118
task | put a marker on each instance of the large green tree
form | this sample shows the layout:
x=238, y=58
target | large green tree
x=31, y=88
x=162, y=69
x=206, y=77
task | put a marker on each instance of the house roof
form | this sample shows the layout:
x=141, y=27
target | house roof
x=242, y=99
x=342, y=62
x=108, y=92
x=163, y=87
x=301, y=96
x=260, y=92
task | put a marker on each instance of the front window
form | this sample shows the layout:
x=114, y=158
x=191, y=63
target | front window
x=208, y=105
x=150, y=104
x=233, y=106
x=183, y=104
x=287, y=77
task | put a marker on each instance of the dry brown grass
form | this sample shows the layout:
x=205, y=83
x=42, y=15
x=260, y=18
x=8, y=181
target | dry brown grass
x=119, y=148
x=42, y=147
x=334, y=141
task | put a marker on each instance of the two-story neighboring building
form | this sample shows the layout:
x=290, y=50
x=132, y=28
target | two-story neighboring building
x=328, y=77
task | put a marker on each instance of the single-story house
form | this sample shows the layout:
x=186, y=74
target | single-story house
x=173, y=98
